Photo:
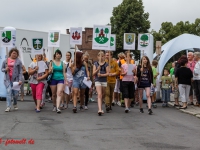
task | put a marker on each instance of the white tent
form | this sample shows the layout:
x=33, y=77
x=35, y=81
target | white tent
x=182, y=42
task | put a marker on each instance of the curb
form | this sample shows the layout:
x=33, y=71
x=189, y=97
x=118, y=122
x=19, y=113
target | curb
x=186, y=111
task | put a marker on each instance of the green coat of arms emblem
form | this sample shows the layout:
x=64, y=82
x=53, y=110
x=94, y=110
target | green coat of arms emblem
x=37, y=44
x=54, y=36
x=144, y=40
x=101, y=35
x=6, y=36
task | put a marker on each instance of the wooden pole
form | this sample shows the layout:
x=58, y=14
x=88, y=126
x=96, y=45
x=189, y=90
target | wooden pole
x=75, y=56
x=53, y=54
x=142, y=61
x=109, y=62
x=7, y=55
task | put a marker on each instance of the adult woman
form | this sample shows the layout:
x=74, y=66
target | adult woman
x=38, y=79
x=79, y=71
x=57, y=67
x=100, y=71
x=183, y=80
x=12, y=67
x=68, y=86
x=145, y=79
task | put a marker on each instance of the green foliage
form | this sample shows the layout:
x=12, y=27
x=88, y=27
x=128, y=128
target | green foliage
x=3, y=34
x=97, y=31
x=106, y=31
x=129, y=17
x=168, y=31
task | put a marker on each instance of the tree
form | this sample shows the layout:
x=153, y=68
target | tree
x=111, y=41
x=144, y=38
x=3, y=34
x=129, y=17
x=51, y=36
x=106, y=31
x=96, y=31
x=37, y=42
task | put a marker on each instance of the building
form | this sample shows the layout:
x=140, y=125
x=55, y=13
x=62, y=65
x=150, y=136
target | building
x=87, y=43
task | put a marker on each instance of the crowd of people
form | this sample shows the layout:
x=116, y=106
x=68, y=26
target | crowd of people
x=116, y=82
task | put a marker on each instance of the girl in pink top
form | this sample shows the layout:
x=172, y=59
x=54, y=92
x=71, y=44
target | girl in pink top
x=128, y=71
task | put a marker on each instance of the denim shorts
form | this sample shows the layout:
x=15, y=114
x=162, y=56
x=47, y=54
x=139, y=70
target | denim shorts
x=78, y=84
x=55, y=82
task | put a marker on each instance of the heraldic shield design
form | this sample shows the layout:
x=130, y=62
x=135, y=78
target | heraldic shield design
x=129, y=39
x=37, y=44
x=144, y=40
x=101, y=35
x=6, y=36
x=54, y=37
x=76, y=35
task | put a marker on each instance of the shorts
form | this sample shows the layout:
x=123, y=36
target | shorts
x=55, y=82
x=78, y=84
x=103, y=84
x=37, y=90
x=128, y=89
x=117, y=86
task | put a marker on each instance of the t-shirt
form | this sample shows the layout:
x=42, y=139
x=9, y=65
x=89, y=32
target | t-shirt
x=68, y=71
x=128, y=77
x=171, y=71
x=184, y=75
x=154, y=70
x=33, y=78
x=114, y=68
x=191, y=65
x=11, y=64
x=166, y=81
x=144, y=79
x=102, y=71
x=58, y=71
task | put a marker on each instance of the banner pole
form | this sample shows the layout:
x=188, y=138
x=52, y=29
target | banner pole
x=75, y=56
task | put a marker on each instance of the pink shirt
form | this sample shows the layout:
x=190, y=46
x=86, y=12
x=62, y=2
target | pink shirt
x=191, y=65
x=11, y=64
x=128, y=77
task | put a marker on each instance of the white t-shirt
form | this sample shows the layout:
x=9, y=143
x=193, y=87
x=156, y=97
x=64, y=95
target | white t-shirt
x=68, y=71
x=33, y=78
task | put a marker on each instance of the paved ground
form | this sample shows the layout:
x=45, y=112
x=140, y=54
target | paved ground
x=166, y=129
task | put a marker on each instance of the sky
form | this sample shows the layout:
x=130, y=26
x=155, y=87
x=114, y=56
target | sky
x=45, y=15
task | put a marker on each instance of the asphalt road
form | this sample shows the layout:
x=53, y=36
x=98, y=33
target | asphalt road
x=166, y=129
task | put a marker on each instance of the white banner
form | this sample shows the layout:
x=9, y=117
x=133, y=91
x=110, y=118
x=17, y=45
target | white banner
x=7, y=37
x=101, y=37
x=144, y=41
x=2, y=87
x=76, y=36
x=54, y=38
x=37, y=46
x=129, y=41
x=113, y=42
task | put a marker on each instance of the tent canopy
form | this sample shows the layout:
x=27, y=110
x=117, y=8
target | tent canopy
x=182, y=42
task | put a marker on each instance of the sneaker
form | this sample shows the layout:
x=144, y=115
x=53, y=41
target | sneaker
x=86, y=108
x=141, y=110
x=163, y=105
x=150, y=111
x=129, y=109
x=15, y=107
x=7, y=109
x=58, y=111
x=126, y=110
x=154, y=105
x=66, y=106
x=107, y=109
x=74, y=109
x=113, y=103
x=54, y=108
x=62, y=106
x=81, y=108
x=37, y=111
x=119, y=103
x=91, y=100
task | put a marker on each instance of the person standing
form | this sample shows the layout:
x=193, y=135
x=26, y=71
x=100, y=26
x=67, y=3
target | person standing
x=12, y=67
x=79, y=71
x=57, y=68
x=183, y=80
x=145, y=79
x=111, y=80
x=166, y=81
x=191, y=64
x=100, y=71
x=172, y=69
x=196, y=78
